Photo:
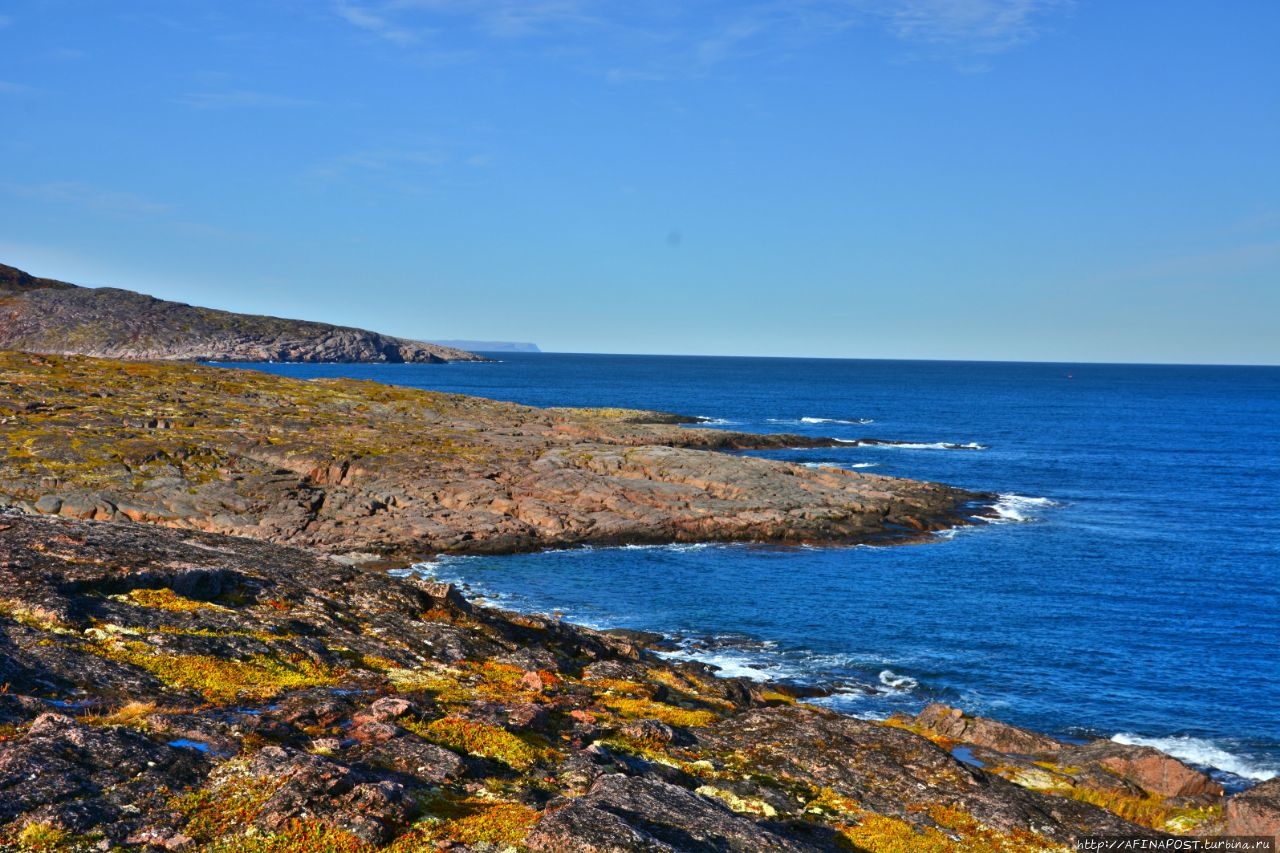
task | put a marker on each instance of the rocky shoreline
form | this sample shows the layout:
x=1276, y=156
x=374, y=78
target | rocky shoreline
x=372, y=470
x=238, y=672
x=177, y=690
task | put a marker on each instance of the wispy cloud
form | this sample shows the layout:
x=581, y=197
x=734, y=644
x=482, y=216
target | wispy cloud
x=237, y=98
x=652, y=41
x=980, y=25
x=85, y=196
x=412, y=168
x=371, y=21
x=383, y=160
x=506, y=18
x=8, y=88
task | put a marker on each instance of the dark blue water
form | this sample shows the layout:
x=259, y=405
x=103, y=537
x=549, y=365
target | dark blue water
x=1133, y=589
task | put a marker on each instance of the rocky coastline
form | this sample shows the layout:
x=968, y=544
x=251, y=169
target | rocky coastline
x=357, y=467
x=50, y=316
x=176, y=690
x=200, y=648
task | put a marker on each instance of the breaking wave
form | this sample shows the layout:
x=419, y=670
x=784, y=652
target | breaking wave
x=1018, y=508
x=1203, y=753
x=912, y=445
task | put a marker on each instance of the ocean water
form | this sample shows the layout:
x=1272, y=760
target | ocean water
x=1131, y=588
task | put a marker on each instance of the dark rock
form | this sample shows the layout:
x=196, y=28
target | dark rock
x=412, y=756
x=82, y=778
x=315, y=787
x=622, y=813
x=649, y=731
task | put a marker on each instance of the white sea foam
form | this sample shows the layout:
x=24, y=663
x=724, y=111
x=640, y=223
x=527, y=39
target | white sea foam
x=851, y=421
x=897, y=683
x=1018, y=508
x=931, y=445
x=913, y=445
x=676, y=547
x=809, y=420
x=734, y=665
x=840, y=464
x=1203, y=753
x=707, y=420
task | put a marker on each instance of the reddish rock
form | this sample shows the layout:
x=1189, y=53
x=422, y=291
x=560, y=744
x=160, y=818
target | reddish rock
x=1256, y=811
x=954, y=724
x=1148, y=768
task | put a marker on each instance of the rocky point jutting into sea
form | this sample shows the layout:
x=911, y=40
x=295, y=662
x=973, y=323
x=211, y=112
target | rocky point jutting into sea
x=50, y=316
x=200, y=649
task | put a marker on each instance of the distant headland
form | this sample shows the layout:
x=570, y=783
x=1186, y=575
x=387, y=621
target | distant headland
x=54, y=317
x=491, y=346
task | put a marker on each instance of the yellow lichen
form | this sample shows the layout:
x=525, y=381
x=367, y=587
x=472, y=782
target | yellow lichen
x=42, y=837
x=218, y=679
x=483, y=740
x=164, y=599
x=632, y=708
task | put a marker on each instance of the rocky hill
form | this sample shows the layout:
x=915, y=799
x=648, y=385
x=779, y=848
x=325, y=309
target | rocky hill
x=47, y=316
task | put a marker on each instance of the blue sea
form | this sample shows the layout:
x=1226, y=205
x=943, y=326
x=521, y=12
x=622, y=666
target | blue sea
x=1130, y=588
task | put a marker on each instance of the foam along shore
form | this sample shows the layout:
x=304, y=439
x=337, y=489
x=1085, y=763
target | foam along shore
x=171, y=689
x=343, y=466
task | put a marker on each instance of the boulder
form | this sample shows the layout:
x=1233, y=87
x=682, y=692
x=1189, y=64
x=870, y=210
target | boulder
x=1148, y=768
x=954, y=724
x=1256, y=811
x=624, y=813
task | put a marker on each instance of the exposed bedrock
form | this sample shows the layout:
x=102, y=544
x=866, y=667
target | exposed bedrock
x=177, y=690
x=345, y=466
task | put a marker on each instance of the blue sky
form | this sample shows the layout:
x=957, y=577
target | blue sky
x=967, y=179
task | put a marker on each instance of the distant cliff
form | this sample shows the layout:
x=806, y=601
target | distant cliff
x=47, y=316
x=491, y=346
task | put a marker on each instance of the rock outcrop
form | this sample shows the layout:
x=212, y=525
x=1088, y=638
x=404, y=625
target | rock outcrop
x=47, y=316
x=1256, y=811
x=345, y=466
x=1138, y=782
x=176, y=690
